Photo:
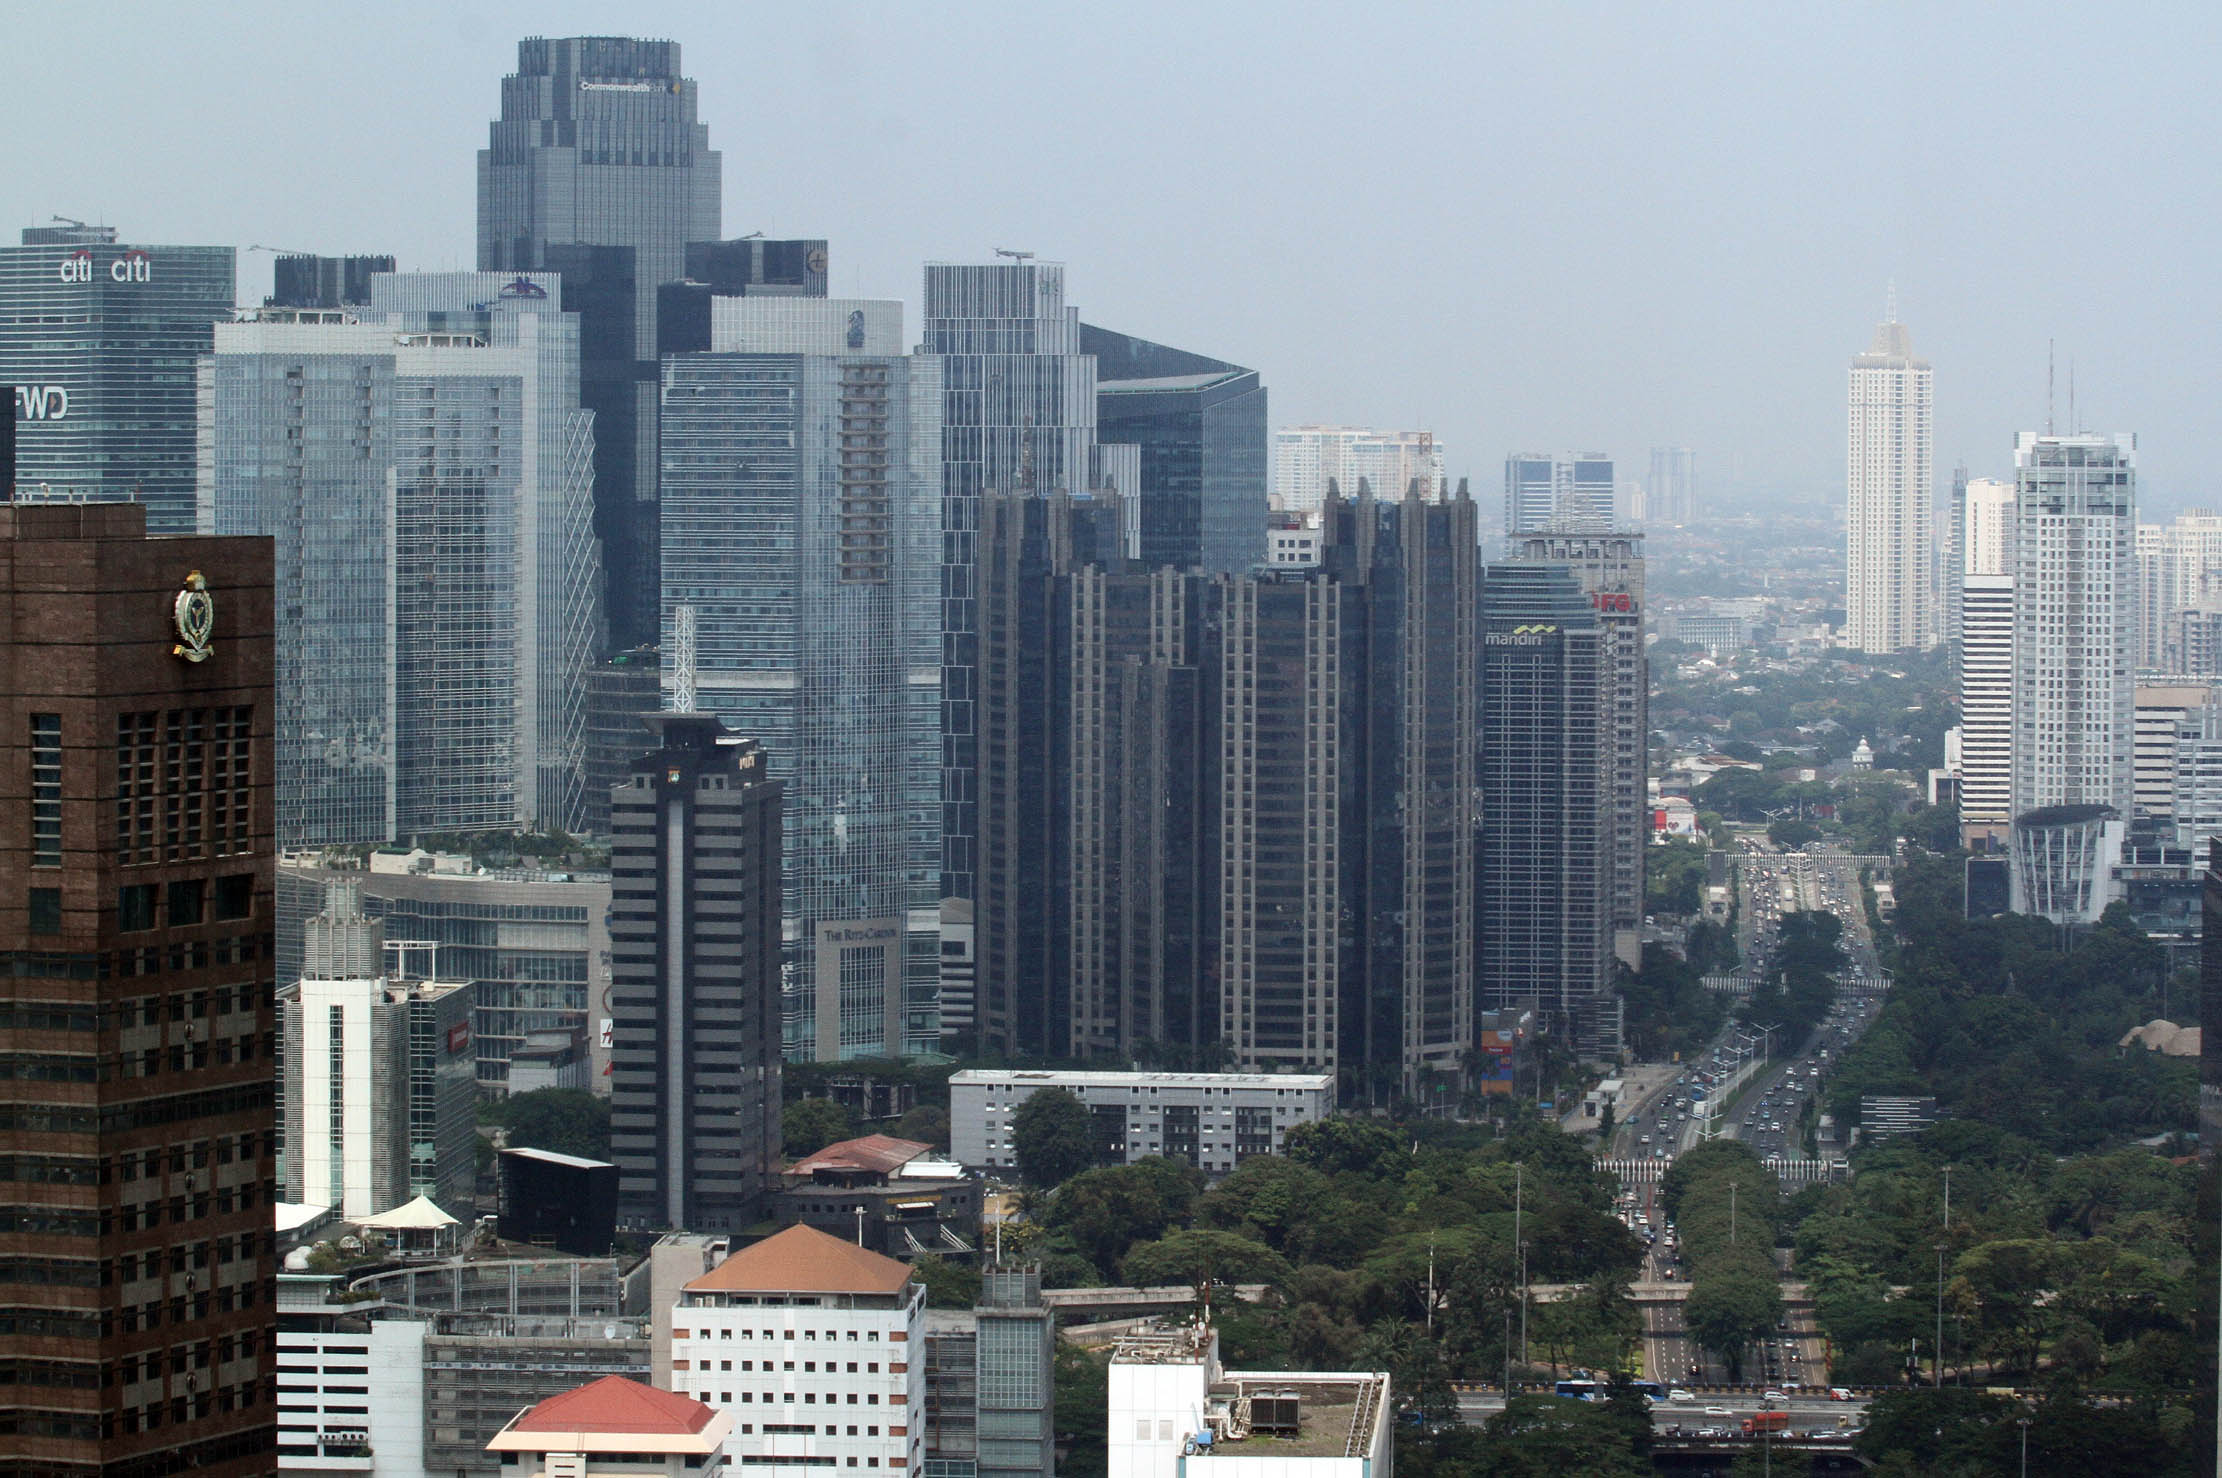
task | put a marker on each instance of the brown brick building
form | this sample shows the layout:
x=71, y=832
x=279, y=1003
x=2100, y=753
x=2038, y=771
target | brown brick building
x=137, y=1138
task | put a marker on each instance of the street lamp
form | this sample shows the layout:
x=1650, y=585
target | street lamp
x=1938, y=1359
x=2023, y=1423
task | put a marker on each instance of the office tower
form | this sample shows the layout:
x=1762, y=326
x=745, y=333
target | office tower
x=620, y=690
x=533, y=945
x=324, y=282
x=694, y=963
x=1019, y=414
x=2179, y=576
x=808, y=562
x=1542, y=492
x=379, y=1099
x=1609, y=568
x=2159, y=713
x=425, y=471
x=1889, y=588
x=1986, y=709
x=135, y=908
x=750, y=267
x=1307, y=458
x=1200, y=423
x=1545, y=929
x=598, y=169
x=2075, y=627
x=8, y=409
x=1670, y=496
x=99, y=340
x=753, y=1310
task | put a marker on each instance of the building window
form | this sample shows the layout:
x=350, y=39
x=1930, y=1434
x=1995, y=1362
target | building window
x=46, y=911
x=235, y=895
x=46, y=790
x=135, y=907
x=188, y=902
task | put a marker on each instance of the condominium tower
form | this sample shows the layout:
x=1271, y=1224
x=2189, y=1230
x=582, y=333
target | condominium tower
x=598, y=169
x=135, y=1019
x=802, y=508
x=1307, y=458
x=1889, y=587
x=1569, y=492
x=1670, y=493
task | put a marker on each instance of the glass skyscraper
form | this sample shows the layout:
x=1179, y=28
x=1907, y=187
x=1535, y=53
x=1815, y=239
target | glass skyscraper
x=1019, y=414
x=99, y=341
x=802, y=490
x=598, y=169
x=426, y=472
x=1201, y=426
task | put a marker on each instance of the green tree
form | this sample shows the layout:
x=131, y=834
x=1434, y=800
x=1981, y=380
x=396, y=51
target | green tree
x=1050, y=1137
x=1107, y=1210
x=925, y=1124
x=808, y=1125
x=1547, y=1437
x=1344, y=1145
x=1728, y=1309
x=948, y=1286
x=1202, y=1258
x=1082, y=1383
x=570, y=1121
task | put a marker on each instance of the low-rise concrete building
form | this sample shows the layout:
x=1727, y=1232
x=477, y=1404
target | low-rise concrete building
x=1175, y=1413
x=1214, y=1121
x=614, y=1428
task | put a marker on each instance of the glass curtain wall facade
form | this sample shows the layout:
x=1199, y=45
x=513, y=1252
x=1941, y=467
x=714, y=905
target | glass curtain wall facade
x=1201, y=427
x=1545, y=928
x=99, y=342
x=802, y=487
x=1019, y=414
x=427, y=478
x=598, y=169
x=1569, y=492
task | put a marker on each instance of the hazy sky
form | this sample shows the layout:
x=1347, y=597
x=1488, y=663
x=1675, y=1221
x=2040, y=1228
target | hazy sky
x=1532, y=226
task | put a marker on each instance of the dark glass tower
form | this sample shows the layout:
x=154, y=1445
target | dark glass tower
x=1201, y=425
x=598, y=169
x=99, y=341
x=694, y=981
x=1544, y=928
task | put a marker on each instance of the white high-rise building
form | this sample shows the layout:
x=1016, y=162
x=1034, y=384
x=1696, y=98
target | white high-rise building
x=1986, y=708
x=2179, y=570
x=1306, y=457
x=1987, y=527
x=2074, y=674
x=1670, y=494
x=1889, y=594
x=1559, y=494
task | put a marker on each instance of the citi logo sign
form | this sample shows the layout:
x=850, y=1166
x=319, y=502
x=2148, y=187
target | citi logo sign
x=41, y=403
x=132, y=266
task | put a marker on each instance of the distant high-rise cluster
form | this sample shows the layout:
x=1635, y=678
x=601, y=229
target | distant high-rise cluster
x=1670, y=493
x=1307, y=458
x=1890, y=596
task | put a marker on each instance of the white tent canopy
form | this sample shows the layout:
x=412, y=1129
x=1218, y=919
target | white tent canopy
x=419, y=1215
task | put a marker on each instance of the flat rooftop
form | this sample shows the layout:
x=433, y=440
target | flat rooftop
x=1085, y=1079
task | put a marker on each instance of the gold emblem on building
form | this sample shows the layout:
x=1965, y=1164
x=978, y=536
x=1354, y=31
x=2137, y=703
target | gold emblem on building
x=193, y=616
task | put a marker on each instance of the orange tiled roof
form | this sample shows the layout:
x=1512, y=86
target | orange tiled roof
x=803, y=1259
x=615, y=1404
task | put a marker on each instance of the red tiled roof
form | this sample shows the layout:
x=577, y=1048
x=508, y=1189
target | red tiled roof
x=803, y=1259
x=615, y=1404
x=878, y=1153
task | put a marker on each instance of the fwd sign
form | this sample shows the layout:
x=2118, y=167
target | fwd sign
x=41, y=403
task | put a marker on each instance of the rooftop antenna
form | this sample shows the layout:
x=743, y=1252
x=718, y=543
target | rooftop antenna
x=1016, y=256
x=2075, y=427
x=1890, y=302
x=2048, y=387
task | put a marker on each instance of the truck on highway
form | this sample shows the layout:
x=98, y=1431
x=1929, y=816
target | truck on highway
x=1766, y=1421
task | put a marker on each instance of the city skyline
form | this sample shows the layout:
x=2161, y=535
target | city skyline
x=1729, y=351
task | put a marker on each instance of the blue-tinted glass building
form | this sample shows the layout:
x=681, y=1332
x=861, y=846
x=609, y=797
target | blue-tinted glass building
x=1019, y=414
x=1201, y=426
x=425, y=469
x=802, y=540
x=598, y=169
x=99, y=340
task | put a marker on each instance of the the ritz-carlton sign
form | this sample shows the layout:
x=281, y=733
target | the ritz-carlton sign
x=132, y=266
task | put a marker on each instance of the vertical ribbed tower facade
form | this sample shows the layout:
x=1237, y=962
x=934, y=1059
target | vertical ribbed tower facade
x=598, y=168
x=1889, y=586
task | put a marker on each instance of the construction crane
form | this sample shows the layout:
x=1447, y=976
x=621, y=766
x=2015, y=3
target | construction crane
x=1016, y=256
x=682, y=658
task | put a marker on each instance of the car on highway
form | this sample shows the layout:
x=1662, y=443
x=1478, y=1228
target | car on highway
x=1680, y=1397
x=1839, y=1393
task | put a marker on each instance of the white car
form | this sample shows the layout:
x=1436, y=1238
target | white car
x=1680, y=1397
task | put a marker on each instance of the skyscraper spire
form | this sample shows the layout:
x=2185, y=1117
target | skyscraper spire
x=1890, y=302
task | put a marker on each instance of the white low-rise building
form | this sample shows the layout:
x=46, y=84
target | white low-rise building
x=614, y=1428
x=814, y=1347
x=350, y=1388
x=1214, y=1121
x=1174, y=1413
